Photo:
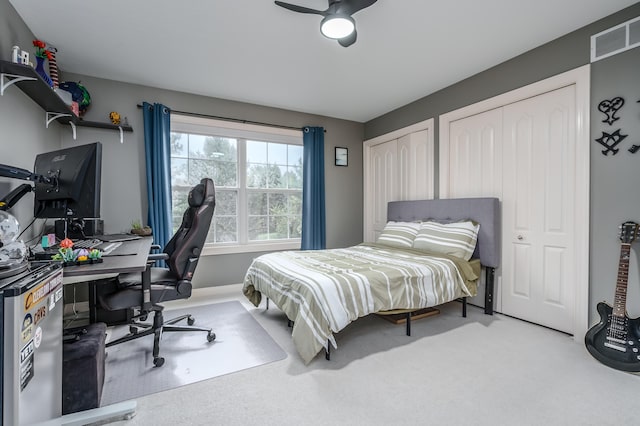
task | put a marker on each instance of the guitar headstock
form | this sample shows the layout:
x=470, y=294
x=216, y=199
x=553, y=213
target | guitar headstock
x=629, y=232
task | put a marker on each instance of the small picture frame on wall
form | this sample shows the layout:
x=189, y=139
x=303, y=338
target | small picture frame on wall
x=342, y=156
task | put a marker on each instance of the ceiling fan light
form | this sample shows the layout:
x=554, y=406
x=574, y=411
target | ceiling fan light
x=337, y=26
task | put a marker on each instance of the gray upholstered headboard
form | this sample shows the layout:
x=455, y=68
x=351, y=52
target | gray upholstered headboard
x=485, y=211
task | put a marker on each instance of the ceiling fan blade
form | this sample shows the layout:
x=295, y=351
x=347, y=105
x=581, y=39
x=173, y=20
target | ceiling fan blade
x=348, y=40
x=349, y=7
x=300, y=9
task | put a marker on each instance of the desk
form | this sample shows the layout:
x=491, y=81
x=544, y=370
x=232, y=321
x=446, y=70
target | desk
x=112, y=265
x=109, y=268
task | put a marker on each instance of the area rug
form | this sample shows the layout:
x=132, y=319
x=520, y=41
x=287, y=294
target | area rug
x=240, y=343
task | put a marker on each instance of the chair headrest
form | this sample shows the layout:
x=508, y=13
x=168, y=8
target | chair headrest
x=198, y=194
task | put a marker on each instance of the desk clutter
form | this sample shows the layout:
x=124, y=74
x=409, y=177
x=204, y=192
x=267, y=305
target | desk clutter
x=90, y=248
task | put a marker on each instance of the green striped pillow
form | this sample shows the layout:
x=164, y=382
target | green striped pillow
x=455, y=239
x=399, y=234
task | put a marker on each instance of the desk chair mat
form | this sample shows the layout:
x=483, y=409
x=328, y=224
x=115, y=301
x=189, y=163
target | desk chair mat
x=241, y=343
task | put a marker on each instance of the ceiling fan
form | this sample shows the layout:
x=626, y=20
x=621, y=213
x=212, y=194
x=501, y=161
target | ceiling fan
x=337, y=22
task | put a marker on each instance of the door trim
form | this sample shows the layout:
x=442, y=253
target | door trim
x=580, y=77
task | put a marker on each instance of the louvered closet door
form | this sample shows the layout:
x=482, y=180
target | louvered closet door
x=538, y=209
x=475, y=169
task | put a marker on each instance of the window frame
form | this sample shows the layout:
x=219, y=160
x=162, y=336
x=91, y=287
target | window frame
x=210, y=126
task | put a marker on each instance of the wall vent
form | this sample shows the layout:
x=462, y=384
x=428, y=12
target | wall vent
x=615, y=40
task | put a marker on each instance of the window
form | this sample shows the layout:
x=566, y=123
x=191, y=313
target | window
x=257, y=171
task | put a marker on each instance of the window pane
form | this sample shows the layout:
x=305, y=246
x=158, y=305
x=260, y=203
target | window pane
x=276, y=177
x=257, y=204
x=257, y=176
x=225, y=173
x=199, y=169
x=196, y=146
x=295, y=204
x=294, y=177
x=179, y=144
x=179, y=205
x=295, y=227
x=226, y=203
x=277, y=204
x=257, y=228
x=221, y=149
x=226, y=229
x=256, y=152
x=278, y=227
x=277, y=153
x=179, y=171
x=295, y=155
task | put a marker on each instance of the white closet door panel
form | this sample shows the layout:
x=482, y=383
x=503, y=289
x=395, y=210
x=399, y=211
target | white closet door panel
x=475, y=170
x=415, y=158
x=475, y=150
x=383, y=177
x=539, y=188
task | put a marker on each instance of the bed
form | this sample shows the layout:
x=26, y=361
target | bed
x=322, y=291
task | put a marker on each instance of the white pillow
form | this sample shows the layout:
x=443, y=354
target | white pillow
x=455, y=239
x=399, y=234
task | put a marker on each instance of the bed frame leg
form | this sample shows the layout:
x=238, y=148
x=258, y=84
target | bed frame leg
x=464, y=307
x=488, y=295
x=408, y=323
x=327, y=352
x=267, y=303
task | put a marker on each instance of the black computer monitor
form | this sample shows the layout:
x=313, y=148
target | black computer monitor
x=76, y=174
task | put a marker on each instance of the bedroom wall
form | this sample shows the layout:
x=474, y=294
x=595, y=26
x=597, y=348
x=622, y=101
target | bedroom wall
x=612, y=179
x=123, y=182
x=22, y=122
x=123, y=179
x=615, y=179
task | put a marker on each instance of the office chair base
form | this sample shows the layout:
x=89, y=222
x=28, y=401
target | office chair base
x=158, y=327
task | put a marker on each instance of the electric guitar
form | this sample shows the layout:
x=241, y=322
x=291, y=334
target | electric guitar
x=615, y=340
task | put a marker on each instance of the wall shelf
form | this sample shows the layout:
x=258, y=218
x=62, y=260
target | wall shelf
x=27, y=80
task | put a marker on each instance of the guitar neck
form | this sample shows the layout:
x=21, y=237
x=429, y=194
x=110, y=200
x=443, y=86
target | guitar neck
x=620, y=300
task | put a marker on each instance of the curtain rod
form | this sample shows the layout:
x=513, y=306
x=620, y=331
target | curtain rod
x=236, y=120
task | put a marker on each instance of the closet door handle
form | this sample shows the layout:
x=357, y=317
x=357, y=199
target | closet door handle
x=520, y=237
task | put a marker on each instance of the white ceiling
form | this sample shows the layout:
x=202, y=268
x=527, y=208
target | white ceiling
x=254, y=51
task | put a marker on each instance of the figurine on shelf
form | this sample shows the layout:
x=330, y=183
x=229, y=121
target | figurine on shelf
x=41, y=54
x=114, y=117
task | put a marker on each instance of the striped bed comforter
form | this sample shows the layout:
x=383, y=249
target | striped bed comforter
x=323, y=291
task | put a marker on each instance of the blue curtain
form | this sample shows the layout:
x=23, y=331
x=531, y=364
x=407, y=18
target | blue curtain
x=157, y=147
x=313, y=213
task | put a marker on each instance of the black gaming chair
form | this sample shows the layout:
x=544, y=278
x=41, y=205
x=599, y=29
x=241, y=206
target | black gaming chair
x=142, y=293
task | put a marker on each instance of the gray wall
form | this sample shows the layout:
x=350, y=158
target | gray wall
x=614, y=181
x=22, y=122
x=123, y=182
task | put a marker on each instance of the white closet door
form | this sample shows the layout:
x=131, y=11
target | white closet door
x=475, y=169
x=382, y=184
x=415, y=161
x=538, y=209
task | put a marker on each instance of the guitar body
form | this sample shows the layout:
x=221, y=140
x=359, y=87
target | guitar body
x=621, y=354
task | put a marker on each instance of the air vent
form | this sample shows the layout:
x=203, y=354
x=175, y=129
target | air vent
x=615, y=40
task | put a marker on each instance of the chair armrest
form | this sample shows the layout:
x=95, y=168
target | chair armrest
x=155, y=247
x=158, y=256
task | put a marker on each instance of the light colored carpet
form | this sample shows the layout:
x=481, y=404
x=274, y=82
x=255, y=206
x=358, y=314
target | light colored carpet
x=480, y=370
x=241, y=343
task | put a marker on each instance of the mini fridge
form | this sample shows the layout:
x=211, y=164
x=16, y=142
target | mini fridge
x=31, y=306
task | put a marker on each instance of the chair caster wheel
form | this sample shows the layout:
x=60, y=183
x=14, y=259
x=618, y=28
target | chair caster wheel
x=211, y=337
x=158, y=362
x=191, y=320
x=133, y=330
